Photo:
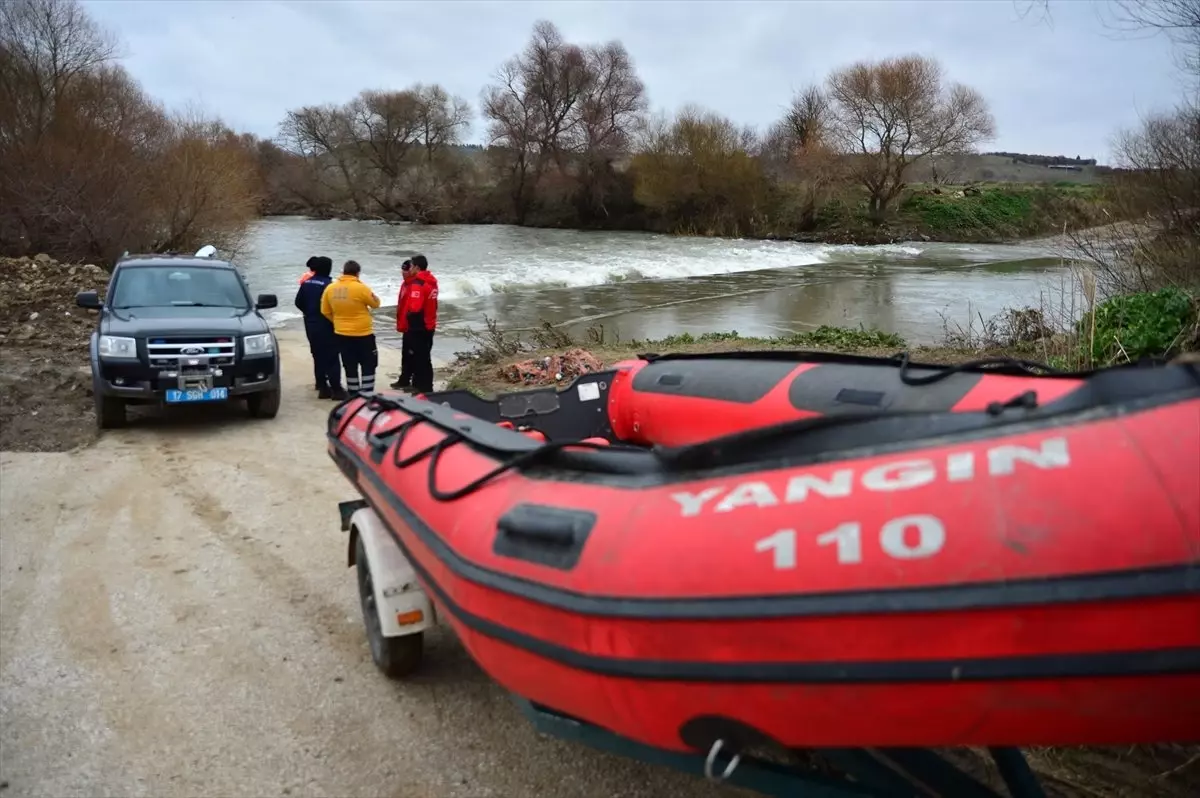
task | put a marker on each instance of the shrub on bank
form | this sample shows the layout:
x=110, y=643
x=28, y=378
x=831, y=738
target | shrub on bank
x=1135, y=326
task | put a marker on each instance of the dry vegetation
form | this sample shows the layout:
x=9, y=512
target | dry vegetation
x=571, y=144
x=89, y=165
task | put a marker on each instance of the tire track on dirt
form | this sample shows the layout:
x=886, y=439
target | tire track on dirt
x=283, y=580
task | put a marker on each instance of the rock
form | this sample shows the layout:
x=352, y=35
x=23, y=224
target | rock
x=42, y=257
x=71, y=271
x=33, y=316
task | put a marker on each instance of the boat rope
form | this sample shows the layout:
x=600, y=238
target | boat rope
x=434, y=451
x=991, y=363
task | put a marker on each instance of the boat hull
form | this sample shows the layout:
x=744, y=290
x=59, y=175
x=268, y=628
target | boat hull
x=1030, y=584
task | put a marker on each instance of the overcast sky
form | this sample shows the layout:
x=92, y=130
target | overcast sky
x=1059, y=88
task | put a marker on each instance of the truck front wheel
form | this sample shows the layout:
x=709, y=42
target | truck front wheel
x=110, y=411
x=397, y=657
x=265, y=404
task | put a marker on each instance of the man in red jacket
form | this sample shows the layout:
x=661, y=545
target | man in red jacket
x=406, y=359
x=420, y=310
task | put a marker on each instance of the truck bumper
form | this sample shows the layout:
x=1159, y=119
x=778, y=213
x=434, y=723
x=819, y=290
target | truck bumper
x=136, y=382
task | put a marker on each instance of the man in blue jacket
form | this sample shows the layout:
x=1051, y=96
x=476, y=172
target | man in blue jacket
x=327, y=367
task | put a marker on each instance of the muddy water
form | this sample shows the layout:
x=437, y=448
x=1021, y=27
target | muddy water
x=641, y=285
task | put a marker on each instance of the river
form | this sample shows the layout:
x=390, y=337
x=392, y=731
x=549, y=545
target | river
x=640, y=285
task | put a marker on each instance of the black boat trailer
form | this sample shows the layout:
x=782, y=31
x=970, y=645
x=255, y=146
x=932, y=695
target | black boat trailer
x=868, y=773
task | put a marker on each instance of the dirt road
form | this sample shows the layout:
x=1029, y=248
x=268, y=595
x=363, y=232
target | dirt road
x=176, y=619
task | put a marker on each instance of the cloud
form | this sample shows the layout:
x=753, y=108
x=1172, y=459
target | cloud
x=1063, y=88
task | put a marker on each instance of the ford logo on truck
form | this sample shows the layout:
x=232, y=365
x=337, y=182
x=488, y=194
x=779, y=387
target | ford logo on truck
x=192, y=350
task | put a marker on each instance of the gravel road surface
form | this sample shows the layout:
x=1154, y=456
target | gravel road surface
x=176, y=619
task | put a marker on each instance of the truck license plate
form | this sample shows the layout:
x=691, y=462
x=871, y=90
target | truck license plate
x=175, y=395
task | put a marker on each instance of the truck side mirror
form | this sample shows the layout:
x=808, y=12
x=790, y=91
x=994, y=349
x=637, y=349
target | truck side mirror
x=266, y=302
x=89, y=300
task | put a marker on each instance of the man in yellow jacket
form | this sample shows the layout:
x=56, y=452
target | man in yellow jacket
x=347, y=302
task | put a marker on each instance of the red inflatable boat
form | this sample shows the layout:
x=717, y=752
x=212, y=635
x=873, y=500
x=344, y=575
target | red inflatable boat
x=890, y=554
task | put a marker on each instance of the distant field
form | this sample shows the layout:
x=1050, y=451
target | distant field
x=1000, y=169
x=958, y=170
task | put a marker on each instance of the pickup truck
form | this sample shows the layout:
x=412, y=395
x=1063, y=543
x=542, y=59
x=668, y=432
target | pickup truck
x=176, y=329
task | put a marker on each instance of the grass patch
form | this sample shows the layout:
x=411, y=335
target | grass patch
x=483, y=370
x=980, y=212
x=996, y=210
x=1001, y=211
x=1070, y=330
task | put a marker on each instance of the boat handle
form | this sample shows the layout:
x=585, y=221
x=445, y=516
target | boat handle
x=711, y=760
x=551, y=536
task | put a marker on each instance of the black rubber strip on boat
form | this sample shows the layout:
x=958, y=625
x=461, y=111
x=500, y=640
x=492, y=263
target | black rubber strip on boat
x=870, y=435
x=1119, y=585
x=1161, y=662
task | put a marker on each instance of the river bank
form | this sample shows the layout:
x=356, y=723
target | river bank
x=951, y=214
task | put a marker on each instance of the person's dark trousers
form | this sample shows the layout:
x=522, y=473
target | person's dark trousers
x=318, y=378
x=359, y=359
x=422, y=357
x=328, y=361
x=326, y=367
x=406, y=361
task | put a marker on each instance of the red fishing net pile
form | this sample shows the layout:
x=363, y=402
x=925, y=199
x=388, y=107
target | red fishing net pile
x=555, y=368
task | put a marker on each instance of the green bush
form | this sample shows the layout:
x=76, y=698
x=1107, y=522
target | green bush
x=997, y=210
x=1133, y=326
x=848, y=338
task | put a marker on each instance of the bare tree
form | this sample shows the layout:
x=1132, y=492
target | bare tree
x=362, y=151
x=798, y=150
x=84, y=152
x=441, y=119
x=610, y=111
x=1179, y=20
x=890, y=114
x=321, y=135
x=384, y=129
x=564, y=106
x=513, y=132
x=1159, y=179
x=206, y=186
x=1159, y=187
x=47, y=45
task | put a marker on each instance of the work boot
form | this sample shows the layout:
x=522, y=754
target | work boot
x=324, y=393
x=337, y=394
x=401, y=385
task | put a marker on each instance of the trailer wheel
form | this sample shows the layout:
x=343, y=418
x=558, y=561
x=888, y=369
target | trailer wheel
x=397, y=657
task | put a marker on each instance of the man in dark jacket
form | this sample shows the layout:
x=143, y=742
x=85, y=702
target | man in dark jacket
x=327, y=367
x=420, y=311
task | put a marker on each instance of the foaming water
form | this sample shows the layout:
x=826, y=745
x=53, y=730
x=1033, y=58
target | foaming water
x=475, y=261
x=642, y=286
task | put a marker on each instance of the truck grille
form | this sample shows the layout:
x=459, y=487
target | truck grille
x=175, y=352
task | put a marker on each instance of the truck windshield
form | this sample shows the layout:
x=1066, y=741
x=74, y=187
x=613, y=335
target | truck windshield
x=179, y=286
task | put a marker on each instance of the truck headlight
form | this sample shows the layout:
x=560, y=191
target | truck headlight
x=259, y=345
x=117, y=347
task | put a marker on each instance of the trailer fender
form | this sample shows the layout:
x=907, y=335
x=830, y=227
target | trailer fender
x=404, y=607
